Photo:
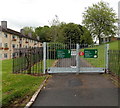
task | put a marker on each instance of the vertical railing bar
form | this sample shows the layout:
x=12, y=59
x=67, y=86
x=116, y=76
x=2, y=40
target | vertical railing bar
x=44, y=57
x=107, y=54
x=77, y=59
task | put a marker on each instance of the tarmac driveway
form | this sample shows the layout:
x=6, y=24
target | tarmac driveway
x=78, y=90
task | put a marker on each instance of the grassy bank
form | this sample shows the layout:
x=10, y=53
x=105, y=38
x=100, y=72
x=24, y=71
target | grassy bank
x=100, y=61
x=16, y=87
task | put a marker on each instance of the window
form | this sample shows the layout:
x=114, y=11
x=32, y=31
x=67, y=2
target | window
x=5, y=55
x=5, y=35
x=6, y=45
x=13, y=45
x=13, y=37
x=0, y=44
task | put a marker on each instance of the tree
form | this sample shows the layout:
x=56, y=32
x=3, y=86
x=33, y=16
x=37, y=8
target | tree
x=29, y=30
x=86, y=37
x=100, y=20
x=72, y=33
x=55, y=29
x=43, y=33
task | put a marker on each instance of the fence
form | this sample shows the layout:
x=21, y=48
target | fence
x=28, y=60
x=114, y=62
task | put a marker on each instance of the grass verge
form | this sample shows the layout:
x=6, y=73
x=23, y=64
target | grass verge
x=16, y=88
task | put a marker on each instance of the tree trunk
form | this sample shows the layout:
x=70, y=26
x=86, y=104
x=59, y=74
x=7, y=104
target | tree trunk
x=100, y=41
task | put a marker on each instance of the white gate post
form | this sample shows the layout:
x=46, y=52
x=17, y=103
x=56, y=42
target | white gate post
x=107, y=61
x=44, y=57
x=77, y=59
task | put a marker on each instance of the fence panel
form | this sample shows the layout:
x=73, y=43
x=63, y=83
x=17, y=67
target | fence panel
x=28, y=60
x=114, y=62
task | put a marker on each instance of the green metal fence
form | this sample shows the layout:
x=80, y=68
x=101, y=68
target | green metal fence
x=114, y=62
x=28, y=60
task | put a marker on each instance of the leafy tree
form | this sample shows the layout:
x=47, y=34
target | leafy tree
x=29, y=30
x=55, y=29
x=100, y=20
x=86, y=37
x=72, y=33
x=43, y=33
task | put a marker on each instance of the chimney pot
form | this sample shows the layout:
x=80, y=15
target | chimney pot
x=22, y=31
x=4, y=24
x=30, y=34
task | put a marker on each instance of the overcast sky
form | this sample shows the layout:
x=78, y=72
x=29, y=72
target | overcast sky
x=20, y=13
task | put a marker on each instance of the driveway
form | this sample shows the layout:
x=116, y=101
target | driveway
x=78, y=90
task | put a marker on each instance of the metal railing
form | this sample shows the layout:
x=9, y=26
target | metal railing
x=28, y=60
x=114, y=62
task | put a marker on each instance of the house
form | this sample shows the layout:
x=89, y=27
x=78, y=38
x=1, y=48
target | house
x=10, y=39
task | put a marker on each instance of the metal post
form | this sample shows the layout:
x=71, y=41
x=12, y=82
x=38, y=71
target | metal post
x=77, y=59
x=106, y=63
x=44, y=57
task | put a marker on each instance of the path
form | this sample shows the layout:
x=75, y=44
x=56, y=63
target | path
x=78, y=90
x=67, y=62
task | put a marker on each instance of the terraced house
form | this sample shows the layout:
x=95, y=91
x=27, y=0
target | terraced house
x=10, y=39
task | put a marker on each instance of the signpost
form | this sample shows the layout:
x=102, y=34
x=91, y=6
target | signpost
x=63, y=53
x=90, y=53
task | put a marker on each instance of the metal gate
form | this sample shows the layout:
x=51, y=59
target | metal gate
x=74, y=58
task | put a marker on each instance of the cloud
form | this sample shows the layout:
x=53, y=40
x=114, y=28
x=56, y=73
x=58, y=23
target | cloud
x=20, y=13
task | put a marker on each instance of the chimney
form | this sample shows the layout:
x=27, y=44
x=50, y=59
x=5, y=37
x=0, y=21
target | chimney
x=4, y=24
x=30, y=34
x=22, y=31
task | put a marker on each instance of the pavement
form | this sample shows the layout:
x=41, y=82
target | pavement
x=78, y=90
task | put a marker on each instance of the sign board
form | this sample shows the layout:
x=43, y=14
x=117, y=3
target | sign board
x=63, y=53
x=81, y=53
x=90, y=53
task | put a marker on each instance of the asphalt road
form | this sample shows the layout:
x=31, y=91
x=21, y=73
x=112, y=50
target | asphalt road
x=67, y=62
x=78, y=90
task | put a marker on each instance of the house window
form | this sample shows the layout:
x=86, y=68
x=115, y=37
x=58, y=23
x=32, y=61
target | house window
x=5, y=35
x=5, y=55
x=13, y=55
x=13, y=37
x=6, y=45
x=0, y=44
x=13, y=45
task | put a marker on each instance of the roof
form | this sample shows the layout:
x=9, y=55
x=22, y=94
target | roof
x=10, y=31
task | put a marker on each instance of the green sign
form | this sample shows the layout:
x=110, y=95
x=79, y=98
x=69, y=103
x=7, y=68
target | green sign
x=63, y=53
x=90, y=53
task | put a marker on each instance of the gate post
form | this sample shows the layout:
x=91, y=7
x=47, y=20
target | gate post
x=106, y=54
x=77, y=59
x=44, y=57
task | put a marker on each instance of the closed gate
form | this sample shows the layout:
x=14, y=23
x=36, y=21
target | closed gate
x=74, y=58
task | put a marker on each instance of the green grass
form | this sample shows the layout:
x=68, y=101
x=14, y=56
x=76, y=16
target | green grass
x=50, y=62
x=114, y=45
x=100, y=61
x=17, y=86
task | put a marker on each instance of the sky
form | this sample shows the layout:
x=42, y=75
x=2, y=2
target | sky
x=34, y=13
